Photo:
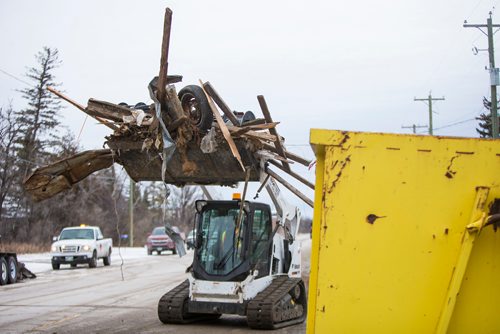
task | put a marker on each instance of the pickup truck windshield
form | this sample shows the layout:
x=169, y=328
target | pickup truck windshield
x=159, y=231
x=80, y=233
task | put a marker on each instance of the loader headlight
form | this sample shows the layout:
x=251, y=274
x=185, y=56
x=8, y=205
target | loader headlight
x=86, y=248
x=54, y=249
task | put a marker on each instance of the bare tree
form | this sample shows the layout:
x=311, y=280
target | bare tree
x=182, y=206
x=9, y=132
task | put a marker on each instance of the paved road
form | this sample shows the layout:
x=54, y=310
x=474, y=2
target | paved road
x=83, y=300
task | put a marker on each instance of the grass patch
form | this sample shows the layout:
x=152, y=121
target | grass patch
x=23, y=248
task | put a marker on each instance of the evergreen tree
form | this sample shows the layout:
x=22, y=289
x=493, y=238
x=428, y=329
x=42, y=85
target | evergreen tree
x=39, y=121
x=484, y=119
x=37, y=142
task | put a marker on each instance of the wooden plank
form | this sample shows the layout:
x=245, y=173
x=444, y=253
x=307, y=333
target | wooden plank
x=107, y=110
x=277, y=143
x=82, y=108
x=260, y=136
x=243, y=129
x=162, y=77
x=220, y=102
x=289, y=155
x=294, y=190
x=256, y=121
x=175, y=110
x=223, y=128
x=291, y=173
x=238, y=132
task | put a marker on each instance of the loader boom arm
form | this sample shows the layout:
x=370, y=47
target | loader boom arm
x=286, y=211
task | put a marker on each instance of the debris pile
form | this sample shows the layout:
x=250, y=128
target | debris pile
x=181, y=138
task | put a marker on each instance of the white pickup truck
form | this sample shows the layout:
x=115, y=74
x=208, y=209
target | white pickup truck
x=84, y=244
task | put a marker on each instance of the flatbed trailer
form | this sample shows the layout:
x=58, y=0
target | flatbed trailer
x=8, y=268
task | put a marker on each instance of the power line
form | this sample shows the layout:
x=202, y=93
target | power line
x=26, y=83
x=454, y=124
x=15, y=78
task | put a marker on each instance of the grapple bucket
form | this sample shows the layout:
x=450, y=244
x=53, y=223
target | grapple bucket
x=193, y=167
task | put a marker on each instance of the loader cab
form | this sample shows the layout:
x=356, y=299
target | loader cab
x=226, y=251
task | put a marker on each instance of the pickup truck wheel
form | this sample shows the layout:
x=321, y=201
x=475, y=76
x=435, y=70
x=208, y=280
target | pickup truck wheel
x=73, y=265
x=107, y=260
x=4, y=271
x=174, y=251
x=55, y=266
x=12, y=263
x=93, y=260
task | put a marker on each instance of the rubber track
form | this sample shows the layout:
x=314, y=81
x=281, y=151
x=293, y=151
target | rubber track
x=261, y=312
x=172, y=307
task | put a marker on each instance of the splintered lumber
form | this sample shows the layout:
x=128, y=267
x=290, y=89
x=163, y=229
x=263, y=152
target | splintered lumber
x=277, y=143
x=220, y=102
x=82, y=108
x=162, y=77
x=48, y=181
x=223, y=128
x=175, y=124
x=175, y=110
x=256, y=121
x=247, y=132
x=289, y=155
x=291, y=173
x=107, y=110
x=290, y=187
x=245, y=128
x=262, y=136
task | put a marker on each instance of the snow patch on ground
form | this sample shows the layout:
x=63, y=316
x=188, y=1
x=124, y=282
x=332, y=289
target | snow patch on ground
x=40, y=262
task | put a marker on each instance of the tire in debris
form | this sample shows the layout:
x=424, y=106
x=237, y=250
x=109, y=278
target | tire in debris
x=195, y=104
x=4, y=271
x=12, y=267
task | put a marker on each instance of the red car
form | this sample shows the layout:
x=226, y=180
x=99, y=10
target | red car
x=159, y=241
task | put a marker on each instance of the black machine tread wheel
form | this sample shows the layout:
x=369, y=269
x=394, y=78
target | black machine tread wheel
x=283, y=303
x=173, y=307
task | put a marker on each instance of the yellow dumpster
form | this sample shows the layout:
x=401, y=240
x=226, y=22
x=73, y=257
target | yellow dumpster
x=404, y=234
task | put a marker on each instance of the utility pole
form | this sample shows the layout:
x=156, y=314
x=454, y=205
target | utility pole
x=429, y=100
x=131, y=212
x=414, y=127
x=494, y=80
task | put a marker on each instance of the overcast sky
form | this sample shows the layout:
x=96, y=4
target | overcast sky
x=350, y=65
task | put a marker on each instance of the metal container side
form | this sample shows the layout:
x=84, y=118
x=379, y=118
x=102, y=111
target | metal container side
x=389, y=234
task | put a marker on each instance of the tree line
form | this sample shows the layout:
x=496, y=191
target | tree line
x=34, y=136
